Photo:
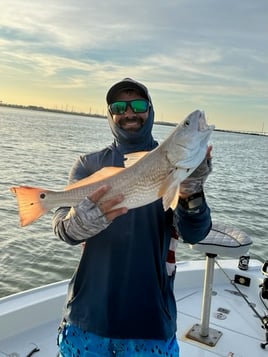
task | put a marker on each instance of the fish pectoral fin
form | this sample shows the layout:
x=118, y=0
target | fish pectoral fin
x=169, y=191
x=97, y=176
x=132, y=158
x=170, y=199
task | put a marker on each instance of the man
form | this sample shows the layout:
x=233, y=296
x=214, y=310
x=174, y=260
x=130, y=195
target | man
x=120, y=300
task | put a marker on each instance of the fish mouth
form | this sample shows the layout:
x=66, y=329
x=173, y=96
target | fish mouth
x=202, y=122
x=202, y=130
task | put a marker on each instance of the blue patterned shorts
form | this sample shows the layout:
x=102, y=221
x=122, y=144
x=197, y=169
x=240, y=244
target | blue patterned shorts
x=75, y=342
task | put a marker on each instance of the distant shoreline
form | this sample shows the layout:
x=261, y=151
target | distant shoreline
x=42, y=109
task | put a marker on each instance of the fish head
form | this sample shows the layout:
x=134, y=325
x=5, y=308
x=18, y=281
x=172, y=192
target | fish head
x=188, y=145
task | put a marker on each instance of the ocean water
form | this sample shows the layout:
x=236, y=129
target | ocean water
x=39, y=148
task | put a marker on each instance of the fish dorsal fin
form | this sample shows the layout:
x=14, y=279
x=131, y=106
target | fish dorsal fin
x=100, y=175
x=132, y=158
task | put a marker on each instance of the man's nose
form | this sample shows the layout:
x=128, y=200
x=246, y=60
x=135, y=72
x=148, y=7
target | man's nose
x=129, y=109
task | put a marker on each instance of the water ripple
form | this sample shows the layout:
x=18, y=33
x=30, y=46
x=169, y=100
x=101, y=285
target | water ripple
x=39, y=148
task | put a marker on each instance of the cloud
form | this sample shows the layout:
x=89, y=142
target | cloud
x=214, y=51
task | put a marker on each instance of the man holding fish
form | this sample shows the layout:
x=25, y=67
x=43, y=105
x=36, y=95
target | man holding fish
x=120, y=299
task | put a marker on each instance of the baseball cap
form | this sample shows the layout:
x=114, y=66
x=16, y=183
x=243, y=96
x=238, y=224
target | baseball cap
x=127, y=83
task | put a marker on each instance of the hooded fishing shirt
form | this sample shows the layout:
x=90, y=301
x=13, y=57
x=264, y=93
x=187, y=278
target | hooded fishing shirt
x=121, y=287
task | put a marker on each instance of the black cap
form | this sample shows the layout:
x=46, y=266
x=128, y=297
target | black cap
x=127, y=83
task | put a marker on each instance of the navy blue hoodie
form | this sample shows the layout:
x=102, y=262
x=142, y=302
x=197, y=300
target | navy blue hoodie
x=121, y=288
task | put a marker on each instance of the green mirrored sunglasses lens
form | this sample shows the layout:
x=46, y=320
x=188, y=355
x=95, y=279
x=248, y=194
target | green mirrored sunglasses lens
x=139, y=106
x=118, y=107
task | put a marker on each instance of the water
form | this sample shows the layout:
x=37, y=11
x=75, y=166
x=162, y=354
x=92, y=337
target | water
x=39, y=148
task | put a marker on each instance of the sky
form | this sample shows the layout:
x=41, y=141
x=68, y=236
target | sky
x=191, y=54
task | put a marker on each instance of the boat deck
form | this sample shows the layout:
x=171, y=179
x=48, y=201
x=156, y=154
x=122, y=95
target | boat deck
x=37, y=314
x=42, y=336
x=241, y=329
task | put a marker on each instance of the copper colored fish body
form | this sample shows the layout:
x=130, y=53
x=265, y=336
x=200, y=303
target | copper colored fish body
x=153, y=175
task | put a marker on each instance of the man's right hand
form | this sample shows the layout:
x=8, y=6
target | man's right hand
x=90, y=217
x=107, y=206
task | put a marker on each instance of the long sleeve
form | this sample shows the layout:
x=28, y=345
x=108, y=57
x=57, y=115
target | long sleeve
x=193, y=227
x=58, y=227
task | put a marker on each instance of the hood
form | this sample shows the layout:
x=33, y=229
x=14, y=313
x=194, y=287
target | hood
x=141, y=140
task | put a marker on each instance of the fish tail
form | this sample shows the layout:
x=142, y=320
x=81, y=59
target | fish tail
x=31, y=203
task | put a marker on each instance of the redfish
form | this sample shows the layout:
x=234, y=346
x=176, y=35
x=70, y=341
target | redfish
x=154, y=175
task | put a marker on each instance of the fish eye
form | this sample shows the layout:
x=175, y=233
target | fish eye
x=187, y=123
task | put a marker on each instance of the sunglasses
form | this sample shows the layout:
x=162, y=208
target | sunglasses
x=137, y=106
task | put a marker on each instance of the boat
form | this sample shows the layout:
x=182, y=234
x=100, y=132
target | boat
x=222, y=304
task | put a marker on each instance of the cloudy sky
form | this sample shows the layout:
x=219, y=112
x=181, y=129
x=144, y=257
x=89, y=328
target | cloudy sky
x=208, y=54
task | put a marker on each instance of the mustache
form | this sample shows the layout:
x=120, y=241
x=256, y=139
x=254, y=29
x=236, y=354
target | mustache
x=134, y=118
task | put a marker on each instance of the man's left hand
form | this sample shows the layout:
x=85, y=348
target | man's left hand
x=194, y=183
